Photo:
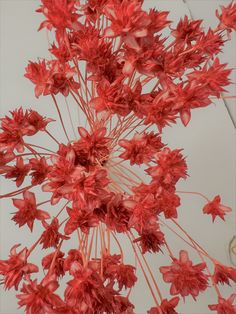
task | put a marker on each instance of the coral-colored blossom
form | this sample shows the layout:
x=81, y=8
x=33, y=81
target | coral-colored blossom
x=16, y=267
x=185, y=278
x=27, y=211
x=215, y=208
x=225, y=306
x=167, y=307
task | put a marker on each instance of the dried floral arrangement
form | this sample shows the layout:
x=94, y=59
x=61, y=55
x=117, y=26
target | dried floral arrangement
x=129, y=82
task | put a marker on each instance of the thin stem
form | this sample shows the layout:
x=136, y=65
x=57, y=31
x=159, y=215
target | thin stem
x=52, y=137
x=60, y=117
x=194, y=193
x=144, y=273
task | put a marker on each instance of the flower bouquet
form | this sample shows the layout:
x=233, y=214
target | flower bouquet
x=129, y=81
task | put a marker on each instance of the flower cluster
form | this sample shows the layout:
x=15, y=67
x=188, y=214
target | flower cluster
x=110, y=58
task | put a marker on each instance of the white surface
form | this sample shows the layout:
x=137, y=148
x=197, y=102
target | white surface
x=209, y=144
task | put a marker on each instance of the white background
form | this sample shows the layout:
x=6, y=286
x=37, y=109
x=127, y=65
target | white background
x=209, y=144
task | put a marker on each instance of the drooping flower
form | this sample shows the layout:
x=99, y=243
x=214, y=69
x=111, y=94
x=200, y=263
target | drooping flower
x=117, y=213
x=125, y=276
x=185, y=278
x=86, y=292
x=27, y=211
x=151, y=240
x=16, y=267
x=55, y=263
x=122, y=305
x=215, y=208
x=73, y=256
x=166, y=306
x=223, y=274
x=51, y=236
x=40, y=297
x=78, y=218
x=224, y=306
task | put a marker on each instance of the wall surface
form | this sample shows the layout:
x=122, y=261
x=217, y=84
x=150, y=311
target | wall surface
x=209, y=144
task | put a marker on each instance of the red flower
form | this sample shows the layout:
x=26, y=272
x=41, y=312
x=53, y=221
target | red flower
x=187, y=31
x=51, y=236
x=127, y=21
x=93, y=9
x=73, y=256
x=215, y=208
x=167, y=307
x=143, y=217
x=225, y=306
x=40, y=298
x=158, y=20
x=145, y=60
x=90, y=188
x=171, y=167
x=36, y=122
x=125, y=276
x=60, y=176
x=39, y=170
x=6, y=157
x=19, y=125
x=16, y=267
x=58, y=263
x=168, y=202
x=223, y=274
x=93, y=148
x=40, y=76
x=79, y=219
x=227, y=17
x=122, y=305
x=28, y=211
x=51, y=77
x=187, y=97
x=109, y=263
x=185, y=278
x=60, y=14
x=12, y=135
x=118, y=213
x=151, y=240
x=210, y=43
x=156, y=108
x=115, y=97
x=85, y=292
x=141, y=148
x=213, y=78
x=19, y=171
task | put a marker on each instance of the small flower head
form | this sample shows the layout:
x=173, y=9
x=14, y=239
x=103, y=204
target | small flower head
x=215, y=208
x=185, y=278
x=16, y=267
